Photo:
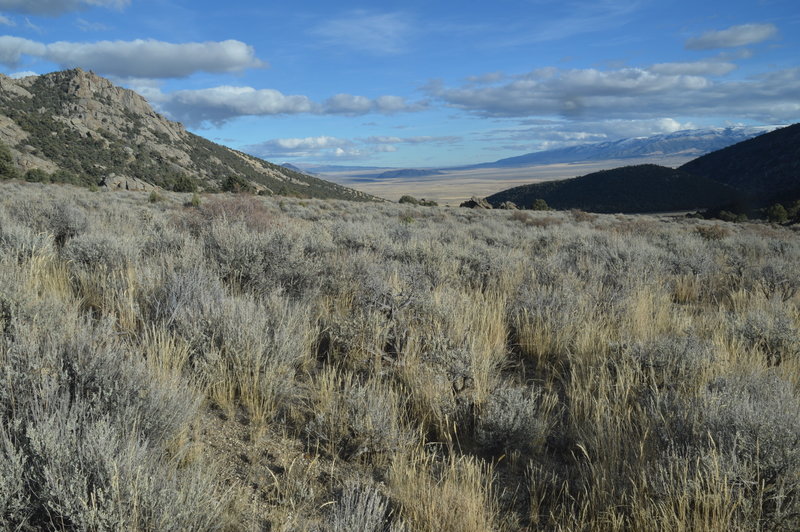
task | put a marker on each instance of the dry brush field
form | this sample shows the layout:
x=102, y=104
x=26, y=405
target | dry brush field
x=265, y=364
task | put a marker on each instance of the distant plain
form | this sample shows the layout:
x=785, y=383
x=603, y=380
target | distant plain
x=451, y=187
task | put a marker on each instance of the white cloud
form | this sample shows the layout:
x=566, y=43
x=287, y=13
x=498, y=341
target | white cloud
x=567, y=92
x=138, y=58
x=154, y=59
x=328, y=148
x=349, y=104
x=395, y=104
x=13, y=48
x=24, y=74
x=302, y=147
x=732, y=37
x=5, y=21
x=385, y=148
x=695, y=68
x=364, y=31
x=219, y=104
x=630, y=93
x=57, y=7
x=564, y=132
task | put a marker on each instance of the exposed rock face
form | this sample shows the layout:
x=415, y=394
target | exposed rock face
x=77, y=122
x=476, y=203
x=120, y=182
x=509, y=205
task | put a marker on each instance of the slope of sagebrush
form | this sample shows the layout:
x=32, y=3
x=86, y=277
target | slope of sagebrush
x=630, y=189
x=248, y=363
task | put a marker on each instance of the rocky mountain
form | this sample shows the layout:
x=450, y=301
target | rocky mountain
x=630, y=189
x=74, y=126
x=687, y=143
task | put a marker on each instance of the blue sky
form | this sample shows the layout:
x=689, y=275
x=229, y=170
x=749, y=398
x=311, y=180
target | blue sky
x=432, y=83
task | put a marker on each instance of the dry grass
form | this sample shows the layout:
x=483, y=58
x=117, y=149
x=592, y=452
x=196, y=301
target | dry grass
x=255, y=364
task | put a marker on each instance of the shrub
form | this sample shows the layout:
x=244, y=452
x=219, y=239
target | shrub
x=513, y=418
x=777, y=213
x=357, y=421
x=712, y=232
x=755, y=419
x=37, y=175
x=93, y=251
x=540, y=205
x=360, y=508
x=672, y=361
x=8, y=169
x=780, y=278
x=409, y=200
x=64, y=222
x=237, y=184
x=772, y=331
x=23, y=241
x=184, y=183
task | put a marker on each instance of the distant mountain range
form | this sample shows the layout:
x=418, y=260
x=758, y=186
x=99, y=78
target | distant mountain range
x=688, y=143
x=749, y=174
x=76, y=127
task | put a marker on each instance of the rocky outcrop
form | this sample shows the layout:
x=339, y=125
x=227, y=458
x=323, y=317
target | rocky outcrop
x=476, y=203
x=84, y=125
x=509, y=206
x=120, y=182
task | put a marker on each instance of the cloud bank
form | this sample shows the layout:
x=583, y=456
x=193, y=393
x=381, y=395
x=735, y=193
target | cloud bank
x=57, y=7
x=668, y=89
x=218, y=105
x=332, y=148
x=138, y=58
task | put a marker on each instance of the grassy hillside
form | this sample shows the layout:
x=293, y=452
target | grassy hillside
x=260, y=364
x=766, y=167
x=640, y=188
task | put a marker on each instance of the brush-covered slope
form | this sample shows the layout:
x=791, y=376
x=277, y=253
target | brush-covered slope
x=641, y=188
x=766, y=167
x=78, y=127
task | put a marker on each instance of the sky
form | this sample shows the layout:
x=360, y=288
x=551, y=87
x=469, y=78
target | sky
x=424, y=83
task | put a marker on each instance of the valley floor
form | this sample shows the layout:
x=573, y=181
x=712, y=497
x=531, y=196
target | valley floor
x=452, y=187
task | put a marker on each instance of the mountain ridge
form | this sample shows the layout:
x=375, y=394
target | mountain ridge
x=629, y=189
x=747, y=175
x=767, y=166
x=78, y=127
x=688, y=142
